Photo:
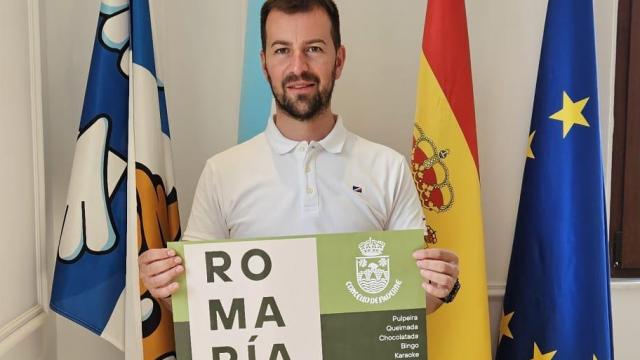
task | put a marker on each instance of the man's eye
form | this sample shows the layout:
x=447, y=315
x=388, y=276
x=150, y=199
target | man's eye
x=281, y=51
x=314, y=49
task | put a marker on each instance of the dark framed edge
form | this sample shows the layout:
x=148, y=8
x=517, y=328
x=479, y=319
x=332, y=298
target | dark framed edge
x=624, y=231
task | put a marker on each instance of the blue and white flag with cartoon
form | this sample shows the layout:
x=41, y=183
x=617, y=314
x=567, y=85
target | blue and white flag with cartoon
x=121, y=199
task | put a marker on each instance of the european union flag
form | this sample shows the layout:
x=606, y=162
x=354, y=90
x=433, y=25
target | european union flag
x=557, y=302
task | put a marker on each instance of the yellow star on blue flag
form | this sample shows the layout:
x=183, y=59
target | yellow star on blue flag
x=570, y=114
x=538, y=355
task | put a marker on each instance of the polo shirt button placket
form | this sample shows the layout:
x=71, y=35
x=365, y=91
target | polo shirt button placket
x=311, y=197
x=308, y=160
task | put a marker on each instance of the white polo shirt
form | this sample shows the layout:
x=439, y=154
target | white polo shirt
x=274, y=186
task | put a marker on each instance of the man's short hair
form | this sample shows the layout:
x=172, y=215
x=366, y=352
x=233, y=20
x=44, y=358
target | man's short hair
x=301, y=6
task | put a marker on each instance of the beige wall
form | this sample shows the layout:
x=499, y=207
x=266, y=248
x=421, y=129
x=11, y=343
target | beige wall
x=201, y=45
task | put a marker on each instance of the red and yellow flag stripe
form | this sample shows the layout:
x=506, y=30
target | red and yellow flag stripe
x=446, y=172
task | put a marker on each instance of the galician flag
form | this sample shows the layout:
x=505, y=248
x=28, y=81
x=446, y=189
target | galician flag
x=256, y=103
x=446, y=173
x=121, y=200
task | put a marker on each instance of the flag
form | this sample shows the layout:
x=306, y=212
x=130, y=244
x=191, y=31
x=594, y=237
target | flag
x=446, y=173
x=255, y=98
x=121, y=199
x=557, y=302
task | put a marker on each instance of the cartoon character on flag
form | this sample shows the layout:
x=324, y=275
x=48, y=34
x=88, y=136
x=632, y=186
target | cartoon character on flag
x=124, y=124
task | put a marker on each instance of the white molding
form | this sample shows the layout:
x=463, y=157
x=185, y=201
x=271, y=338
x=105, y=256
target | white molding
x=608, y=152
x=26, y=323
x=625, y=284
x=496, y=290
x=20, y=328
x=38, y=152
x=14, y=326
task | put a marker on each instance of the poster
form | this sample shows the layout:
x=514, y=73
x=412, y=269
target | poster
x=330, y=296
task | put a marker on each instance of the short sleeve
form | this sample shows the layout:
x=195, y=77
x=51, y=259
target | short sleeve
x=207, y=220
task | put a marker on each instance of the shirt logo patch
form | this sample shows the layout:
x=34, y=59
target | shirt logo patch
x=357, y=189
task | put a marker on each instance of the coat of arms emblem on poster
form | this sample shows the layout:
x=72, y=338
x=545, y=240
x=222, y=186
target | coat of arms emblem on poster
x=372, y=268
x=373, y=274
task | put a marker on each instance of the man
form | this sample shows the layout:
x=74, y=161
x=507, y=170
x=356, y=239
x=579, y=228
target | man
x=306, y=174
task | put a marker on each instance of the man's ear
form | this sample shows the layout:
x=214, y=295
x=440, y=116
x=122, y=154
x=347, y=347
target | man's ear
x=341, y=56
x=263, y=62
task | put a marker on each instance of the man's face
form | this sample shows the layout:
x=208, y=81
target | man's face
x=301, y=62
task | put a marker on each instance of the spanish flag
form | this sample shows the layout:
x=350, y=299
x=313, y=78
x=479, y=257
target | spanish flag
x=446, y=173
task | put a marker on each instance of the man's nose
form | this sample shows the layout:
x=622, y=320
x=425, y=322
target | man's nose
x=299, y=63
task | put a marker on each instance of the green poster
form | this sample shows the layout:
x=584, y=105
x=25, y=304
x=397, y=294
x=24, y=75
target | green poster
x=331, y=296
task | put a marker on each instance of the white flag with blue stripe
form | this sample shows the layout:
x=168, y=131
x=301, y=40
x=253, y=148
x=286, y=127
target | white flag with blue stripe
x=256, y=99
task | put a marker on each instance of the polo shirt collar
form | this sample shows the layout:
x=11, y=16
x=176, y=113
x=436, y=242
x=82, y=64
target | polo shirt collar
x=333, y=142
x=279, y=143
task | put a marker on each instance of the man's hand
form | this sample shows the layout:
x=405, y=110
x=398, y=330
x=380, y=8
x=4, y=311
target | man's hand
x=158, y=271
x=439, y=270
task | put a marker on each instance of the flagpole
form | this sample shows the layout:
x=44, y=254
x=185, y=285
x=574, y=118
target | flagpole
x=132, y=325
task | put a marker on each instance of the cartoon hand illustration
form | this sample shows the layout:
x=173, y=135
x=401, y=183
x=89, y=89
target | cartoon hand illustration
x=87, y=222
x=115, y=32
x=109, y=7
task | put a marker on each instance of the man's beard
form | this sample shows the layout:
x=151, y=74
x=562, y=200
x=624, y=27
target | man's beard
x=303, y=107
